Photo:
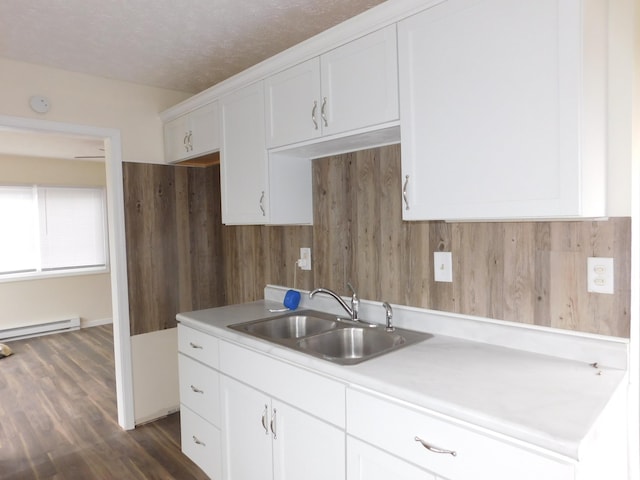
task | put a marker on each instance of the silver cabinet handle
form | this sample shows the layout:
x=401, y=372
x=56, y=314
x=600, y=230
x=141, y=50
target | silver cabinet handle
x=262, y=204
x=273, y=424
x=313, y=114
x=404, y=192
x=433, y=449
x=195, y=389
x=323, y=111
x=264, y=420
x=185, y=141
x=190, y=142
x=197, y=441
x=195, y=345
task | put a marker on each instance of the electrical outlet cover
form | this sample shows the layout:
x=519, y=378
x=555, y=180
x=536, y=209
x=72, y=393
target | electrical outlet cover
x=442, y=267
x=600, y=275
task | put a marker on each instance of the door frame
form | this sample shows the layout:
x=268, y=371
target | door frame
x=117, y=248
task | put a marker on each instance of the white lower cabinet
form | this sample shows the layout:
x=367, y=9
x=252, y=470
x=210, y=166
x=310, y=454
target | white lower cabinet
x=199, y=384
x=248, y=416
x=365, y=462
x=201, y=442
x=266, y=438
x=442, y=446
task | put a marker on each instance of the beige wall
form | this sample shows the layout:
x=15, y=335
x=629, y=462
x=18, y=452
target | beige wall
x=27, y=302
x=97, y=102
x=86, y=100
x=51, y=171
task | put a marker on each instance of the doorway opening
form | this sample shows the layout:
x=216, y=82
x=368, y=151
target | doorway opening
x=111, y=141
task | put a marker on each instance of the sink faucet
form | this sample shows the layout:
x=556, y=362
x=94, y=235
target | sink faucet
x=388, y=311
x=355, y=301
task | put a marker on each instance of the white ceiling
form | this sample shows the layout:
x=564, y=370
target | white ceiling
x=185, y=45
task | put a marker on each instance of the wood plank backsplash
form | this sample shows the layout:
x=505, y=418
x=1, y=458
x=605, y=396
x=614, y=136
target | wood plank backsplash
x=530, y=272
x=174, y=243
x=182, y=258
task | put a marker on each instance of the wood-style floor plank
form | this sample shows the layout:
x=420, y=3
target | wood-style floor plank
x=58, y=417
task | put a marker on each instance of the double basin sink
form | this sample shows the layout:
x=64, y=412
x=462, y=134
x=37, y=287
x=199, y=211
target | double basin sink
x=345, y=342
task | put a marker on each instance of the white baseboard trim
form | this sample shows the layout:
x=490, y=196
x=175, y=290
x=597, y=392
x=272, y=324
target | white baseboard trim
x=84, y=323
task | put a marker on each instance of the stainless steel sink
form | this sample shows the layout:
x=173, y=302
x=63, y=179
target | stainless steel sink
x=347, y=345
x=329, y=337
x=291, y=326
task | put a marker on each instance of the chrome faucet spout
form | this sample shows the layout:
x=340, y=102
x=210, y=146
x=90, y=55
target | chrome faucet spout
x=353, y=314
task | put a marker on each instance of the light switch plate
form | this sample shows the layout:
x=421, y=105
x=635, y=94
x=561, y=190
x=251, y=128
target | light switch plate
x=304, y=262
x=442, y=267
x=600, y=275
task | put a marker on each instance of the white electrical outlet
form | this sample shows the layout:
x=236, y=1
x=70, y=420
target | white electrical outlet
x=600, y=275
x=442, y=267
x=304, y=262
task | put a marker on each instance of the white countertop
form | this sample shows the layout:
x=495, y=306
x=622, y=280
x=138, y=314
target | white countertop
x=541, y=399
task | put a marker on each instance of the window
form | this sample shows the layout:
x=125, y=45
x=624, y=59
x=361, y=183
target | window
x=48, y=230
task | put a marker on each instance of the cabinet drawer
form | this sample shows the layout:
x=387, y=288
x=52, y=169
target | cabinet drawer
x=201, y=442
x=200, y=388
x=198, y=345
x=394, y=427
x=312, y=393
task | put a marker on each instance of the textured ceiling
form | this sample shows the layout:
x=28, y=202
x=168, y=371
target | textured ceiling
x=185, y=45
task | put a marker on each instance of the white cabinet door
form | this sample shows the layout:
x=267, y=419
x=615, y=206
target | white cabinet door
x=201, y=442
x=365, y=462
x=265, y=439
x=205, y=129
x=193, y=134
x=354, y=86
x=176, y=140
x=243, y=159
x=292, y=104
x=499, y=116
x=446, y=447
x=305, y=447
x=360, y=83
x=247, y=433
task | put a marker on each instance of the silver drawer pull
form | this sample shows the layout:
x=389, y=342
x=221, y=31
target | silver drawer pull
x=264, y=420
x=313, y=114
x=197, y=441
x=261, y=204
x=404, y=193
x=195, y=345
x=433, y=449
x=195, y=389
x=323, y=111
x=273, y=424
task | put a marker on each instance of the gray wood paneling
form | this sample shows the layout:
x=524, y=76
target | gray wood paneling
x=174, y=242
x=530, y=272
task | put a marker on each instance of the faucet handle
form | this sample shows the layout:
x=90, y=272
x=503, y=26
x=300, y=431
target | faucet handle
x=388, y=315
x=355, y=302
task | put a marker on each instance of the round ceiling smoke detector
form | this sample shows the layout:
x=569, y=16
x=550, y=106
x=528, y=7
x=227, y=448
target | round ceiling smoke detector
x=39, y=104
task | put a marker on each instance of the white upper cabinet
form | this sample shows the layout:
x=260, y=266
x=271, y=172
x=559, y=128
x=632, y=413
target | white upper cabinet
x=503, y=110
x=258, y=189
x=293, y=104
x=360, y=83
x=352, y=87
x=243, y=157
x=192, y=134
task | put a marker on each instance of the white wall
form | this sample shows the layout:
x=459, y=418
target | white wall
x=155, y=374
x=86, y=100
x=97, y=102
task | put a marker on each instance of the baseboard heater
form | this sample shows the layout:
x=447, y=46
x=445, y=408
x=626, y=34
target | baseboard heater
x=45, y=328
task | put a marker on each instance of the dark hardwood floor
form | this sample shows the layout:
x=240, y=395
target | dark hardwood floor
x=58, y=416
